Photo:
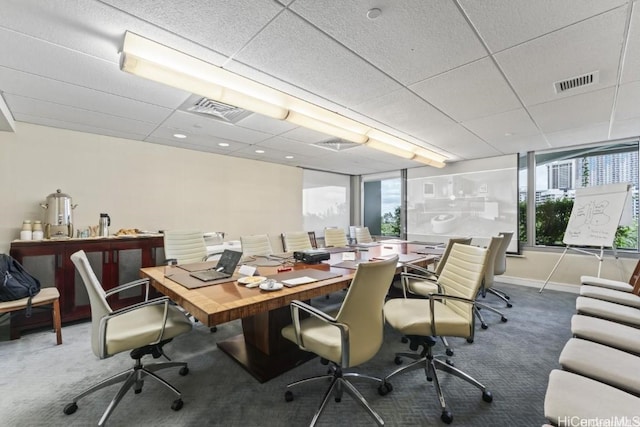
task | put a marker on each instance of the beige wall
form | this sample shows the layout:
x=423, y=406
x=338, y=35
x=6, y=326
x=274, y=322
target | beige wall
x=142, y=185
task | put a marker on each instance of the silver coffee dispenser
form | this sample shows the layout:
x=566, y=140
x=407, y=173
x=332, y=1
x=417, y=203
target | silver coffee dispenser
x=105, y=222
x=58, y=222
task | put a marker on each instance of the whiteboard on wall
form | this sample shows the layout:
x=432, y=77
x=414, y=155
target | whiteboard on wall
x=596, y=215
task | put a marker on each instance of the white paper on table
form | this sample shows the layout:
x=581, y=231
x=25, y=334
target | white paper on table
x=299, y=280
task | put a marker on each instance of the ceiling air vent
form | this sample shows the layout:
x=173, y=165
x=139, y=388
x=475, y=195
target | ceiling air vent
x=218, y=110
x=336, y=144
x=583, y=80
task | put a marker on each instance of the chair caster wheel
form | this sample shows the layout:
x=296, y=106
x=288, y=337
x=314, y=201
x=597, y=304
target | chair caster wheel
x=484, y=326
x=213, y=329
x=397, y=360
x=177, y=404
x=404, y=340
x=385, y=388
x=138, y=391
x=449, y=352
x=504, y=319
x=324, y=361
x=487, y=396
x=507, y=297
x=183, y=371
x=288, y=396
x=449, y=362
x=470, y=340
x=70, y=408
x=446, y=417
x=337, y=399
x=509, y=305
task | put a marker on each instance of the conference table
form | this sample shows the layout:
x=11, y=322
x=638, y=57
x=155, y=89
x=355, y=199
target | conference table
x=261, y=349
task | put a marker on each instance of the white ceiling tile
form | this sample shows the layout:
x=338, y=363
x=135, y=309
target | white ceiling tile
x=503, y=24
x=204, y=142
x=462, y=144
x=265, y=124
x=290, y=146
x=592, y=132
x=631, y=69
x=576, y=111
x=57, y=92
x=223, y=25
x=198, y=124
x=628, y=102
x=44, y=109
x=306, y=135
x=313, y=61
x=469, y=92
x=522, y=143
x=411, y=40
x=625, y=128
x=592, y=45
x=503, y=126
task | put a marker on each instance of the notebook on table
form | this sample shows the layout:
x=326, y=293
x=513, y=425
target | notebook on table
x=225, y=267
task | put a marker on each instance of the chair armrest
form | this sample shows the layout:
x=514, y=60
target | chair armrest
x=164, y=300
x=130, y=285
x=420, y=269
x=443, y=297
x=297, y=306
x=405, y=277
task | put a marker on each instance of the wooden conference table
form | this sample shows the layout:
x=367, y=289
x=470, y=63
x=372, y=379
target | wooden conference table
x=261, y=349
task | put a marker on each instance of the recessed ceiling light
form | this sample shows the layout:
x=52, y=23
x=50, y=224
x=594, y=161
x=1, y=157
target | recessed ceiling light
x=223, y=144
x=507, y=134
x=260, y=151
x=288, y=157
x=374, y=13
x=179, y=135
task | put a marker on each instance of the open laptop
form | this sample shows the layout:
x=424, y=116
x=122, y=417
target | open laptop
x=225, y=267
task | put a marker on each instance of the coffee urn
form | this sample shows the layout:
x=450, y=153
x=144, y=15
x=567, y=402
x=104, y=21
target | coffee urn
x=58, y=222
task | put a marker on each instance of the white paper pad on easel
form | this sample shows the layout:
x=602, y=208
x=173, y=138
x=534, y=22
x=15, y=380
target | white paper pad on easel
x=299, y=280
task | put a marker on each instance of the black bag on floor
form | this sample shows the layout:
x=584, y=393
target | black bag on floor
x=15, y=282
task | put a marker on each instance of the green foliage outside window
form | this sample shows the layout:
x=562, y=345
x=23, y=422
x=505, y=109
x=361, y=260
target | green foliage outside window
x=391, y=223
x=552, y=217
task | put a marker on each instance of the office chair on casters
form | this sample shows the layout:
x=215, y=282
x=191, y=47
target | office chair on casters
x=142, y=329
x=500, y=266
x=335, y=237
x=363, y=235
x=257, y=244
x=496, y=245
x=449, y=313
x=346, y=339
x=185, y=247
x=296, y=241
x=423, y=281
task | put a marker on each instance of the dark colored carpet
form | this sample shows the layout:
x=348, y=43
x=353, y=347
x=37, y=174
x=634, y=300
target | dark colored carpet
x=512, y=359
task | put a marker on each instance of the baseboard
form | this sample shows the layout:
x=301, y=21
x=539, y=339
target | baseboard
x=562, y=287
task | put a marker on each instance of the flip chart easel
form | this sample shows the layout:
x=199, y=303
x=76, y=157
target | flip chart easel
x=597, y=212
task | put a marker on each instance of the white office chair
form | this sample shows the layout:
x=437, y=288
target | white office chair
x=257, y=244
x=363, y=235
x=143, y=329
x=335, y=238
x=348, y=338
x=496, y=247
x=296, y=241
x=184, y=246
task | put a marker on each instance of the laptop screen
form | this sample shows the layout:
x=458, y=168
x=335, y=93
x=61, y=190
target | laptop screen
x=228, y=261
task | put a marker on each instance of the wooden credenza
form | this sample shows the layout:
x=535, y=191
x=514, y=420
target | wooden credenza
x=114, y=260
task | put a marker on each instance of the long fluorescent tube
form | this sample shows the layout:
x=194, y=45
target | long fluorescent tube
x=151, y=60
x=381, y=146
x=162, y=64
x=321, y=126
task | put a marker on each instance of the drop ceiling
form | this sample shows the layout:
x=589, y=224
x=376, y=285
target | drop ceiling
x=465, y=78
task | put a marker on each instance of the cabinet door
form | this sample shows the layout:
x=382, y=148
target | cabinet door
x=126, y=265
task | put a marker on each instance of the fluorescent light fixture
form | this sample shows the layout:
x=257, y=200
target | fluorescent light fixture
x=148, y=59
x=381, y=146
x=324, y=127
x=153, y=61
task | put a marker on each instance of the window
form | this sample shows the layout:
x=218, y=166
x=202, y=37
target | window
x=558, y=175
x=381, y=208
x=325, y=201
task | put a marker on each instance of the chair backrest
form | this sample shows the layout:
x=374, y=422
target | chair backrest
x=184, y=246
x=362, y=308
x=97, y=297
x=495, y=245
x=312, y=239
x=443, y=259
x=335, y=237
x=296, y=241
x=462, y=277
x=363, y=235
x=257, y=244
x=500, y=264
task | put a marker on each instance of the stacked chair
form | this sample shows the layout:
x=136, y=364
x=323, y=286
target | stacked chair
x=601, y=362
x=447, y=313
